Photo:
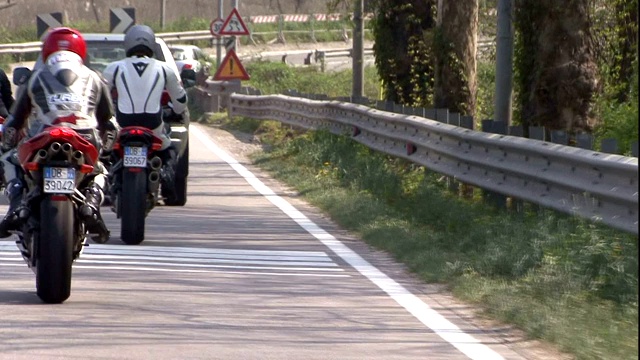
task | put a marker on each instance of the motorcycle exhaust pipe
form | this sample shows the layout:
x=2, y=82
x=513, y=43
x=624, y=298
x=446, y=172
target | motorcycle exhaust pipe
x=67, y=149
x=155, y=163
x=154, y=181
x=40, y=156
x=54, y=148
x=78, y=157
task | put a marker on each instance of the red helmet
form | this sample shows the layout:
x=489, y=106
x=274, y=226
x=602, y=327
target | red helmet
x=64, y=39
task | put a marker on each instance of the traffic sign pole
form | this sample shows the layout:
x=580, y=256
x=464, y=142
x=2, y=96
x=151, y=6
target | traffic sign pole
x=218, y=45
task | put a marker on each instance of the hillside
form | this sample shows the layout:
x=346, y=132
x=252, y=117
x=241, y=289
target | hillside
x=23, y=13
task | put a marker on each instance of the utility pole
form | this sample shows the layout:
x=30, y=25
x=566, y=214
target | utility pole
x=504, y=62
x=357, y=51
x=163, y=11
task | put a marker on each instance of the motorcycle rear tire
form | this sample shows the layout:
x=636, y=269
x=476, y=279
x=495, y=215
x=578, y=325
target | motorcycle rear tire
x=55, y=251
x=133, y=205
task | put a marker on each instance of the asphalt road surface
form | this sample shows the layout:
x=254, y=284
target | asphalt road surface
x=244, y=271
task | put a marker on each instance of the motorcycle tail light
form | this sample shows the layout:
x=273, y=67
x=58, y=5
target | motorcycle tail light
x=187, y=66
x=156, y=146
x=31, y=166
x=136, y=132
x=86, y=169
x=61, y=132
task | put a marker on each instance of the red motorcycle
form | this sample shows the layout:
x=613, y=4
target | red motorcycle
x=57, y=163
x=135, y=180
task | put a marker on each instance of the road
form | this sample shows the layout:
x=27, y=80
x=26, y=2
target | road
x=245, y=270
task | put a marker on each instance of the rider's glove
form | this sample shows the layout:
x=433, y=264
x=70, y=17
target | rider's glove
x=9, y=137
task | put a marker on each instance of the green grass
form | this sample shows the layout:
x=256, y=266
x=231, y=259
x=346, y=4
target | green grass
x=558, y=278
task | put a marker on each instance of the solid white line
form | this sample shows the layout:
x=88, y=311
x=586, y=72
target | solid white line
x=464, y=342
x=81, y=260
x=88, y=257
x=133, y=268
x=120, y=249
x=209, y=260
x=223, y=255
x=152, y=250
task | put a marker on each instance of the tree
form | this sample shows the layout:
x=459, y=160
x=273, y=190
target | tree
x=403, y=48
x=556, y=68
x=455, y=49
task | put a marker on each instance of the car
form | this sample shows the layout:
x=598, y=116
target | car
x=103, y=49
x=189, y=57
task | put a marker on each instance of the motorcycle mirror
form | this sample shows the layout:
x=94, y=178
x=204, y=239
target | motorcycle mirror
x=21, y=75
x=188, y=77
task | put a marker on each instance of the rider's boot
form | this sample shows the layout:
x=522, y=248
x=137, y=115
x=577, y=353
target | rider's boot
x=168, y=173
x=18, y=211
x=90, y=212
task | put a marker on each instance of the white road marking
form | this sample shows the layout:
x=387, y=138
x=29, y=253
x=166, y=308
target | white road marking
x=451, y=333
x=185, y=259
x=145, y=268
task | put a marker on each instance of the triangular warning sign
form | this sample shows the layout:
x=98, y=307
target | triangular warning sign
x=233, y=25
x=231, y=68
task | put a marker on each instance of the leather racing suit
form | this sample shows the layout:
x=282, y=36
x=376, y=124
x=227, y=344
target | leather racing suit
x=77, y=92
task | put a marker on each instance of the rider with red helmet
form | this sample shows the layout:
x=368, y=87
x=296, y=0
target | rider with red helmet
x=62, y=87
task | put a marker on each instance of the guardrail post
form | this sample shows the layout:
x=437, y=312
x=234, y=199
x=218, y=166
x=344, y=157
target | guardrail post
x=584, y=141
x=452, y=183
x=466, y=190
x=537, y=133
x=442, y=115
x=430, y=114
x=517, y=204
x=609, y=146
x=634, y=148
x=516, y=130
x=559, y=137
x=494, y=127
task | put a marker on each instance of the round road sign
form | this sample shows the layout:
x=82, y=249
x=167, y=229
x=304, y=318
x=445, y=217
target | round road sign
x=216, y=26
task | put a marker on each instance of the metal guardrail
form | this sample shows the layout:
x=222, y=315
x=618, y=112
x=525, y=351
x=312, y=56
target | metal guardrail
x=593, y=185
x=35, y=46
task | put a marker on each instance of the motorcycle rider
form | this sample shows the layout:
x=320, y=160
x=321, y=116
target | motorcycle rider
x=6, y=95
x=139, y=81
x=62, y=87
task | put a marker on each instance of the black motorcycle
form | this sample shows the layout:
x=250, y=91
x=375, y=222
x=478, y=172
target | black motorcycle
x=134, y=180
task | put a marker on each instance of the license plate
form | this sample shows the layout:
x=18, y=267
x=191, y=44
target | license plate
x=135, y=156
x=59, y=180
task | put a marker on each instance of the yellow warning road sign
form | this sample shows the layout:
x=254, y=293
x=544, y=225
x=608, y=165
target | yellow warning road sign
x=231, y=68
